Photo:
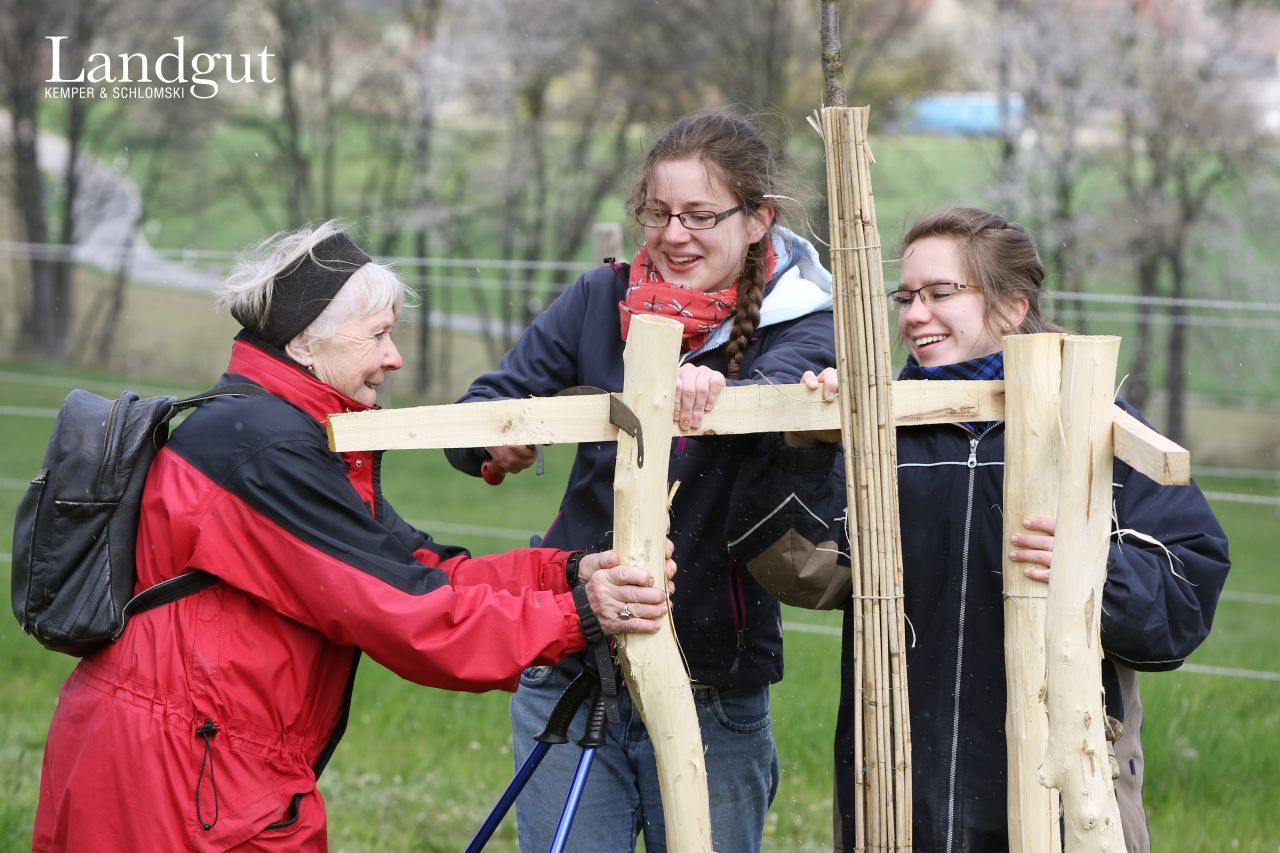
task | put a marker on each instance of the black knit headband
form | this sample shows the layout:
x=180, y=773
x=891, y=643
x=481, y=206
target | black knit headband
x=303, y=291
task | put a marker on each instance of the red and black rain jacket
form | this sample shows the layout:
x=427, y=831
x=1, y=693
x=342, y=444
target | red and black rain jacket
x=207, y=723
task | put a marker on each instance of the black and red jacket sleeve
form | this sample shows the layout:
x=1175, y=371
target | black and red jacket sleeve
x=254, y=496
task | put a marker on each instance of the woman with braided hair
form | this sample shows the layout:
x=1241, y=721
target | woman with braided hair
x=756, y=307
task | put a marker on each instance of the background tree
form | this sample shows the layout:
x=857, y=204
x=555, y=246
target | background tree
x=1190, y=130
x=59, y=188
x=22, y=27
x=1052, y=83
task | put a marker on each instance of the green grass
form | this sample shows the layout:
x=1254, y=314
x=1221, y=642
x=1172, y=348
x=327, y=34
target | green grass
x=419, y=768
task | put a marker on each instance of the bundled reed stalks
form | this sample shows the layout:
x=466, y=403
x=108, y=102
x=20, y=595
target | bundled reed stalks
x=882, y=752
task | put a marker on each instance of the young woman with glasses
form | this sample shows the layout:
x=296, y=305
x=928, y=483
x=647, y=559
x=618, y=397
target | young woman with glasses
x=756, y=306
x=969, y=277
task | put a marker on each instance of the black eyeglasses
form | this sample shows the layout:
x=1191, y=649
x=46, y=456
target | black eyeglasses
x=694, y=220
x=930, y=294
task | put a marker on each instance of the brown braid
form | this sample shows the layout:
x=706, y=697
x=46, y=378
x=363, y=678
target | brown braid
x=746, y=315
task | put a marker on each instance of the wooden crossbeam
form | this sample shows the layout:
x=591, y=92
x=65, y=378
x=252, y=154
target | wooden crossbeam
x=740, y=409
x=1148, y=451
x=583, y=418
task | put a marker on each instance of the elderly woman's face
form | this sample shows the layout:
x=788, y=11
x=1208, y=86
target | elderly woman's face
x=358, y=357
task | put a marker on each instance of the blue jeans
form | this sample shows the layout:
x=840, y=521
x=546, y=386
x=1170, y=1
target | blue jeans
x=621, y=798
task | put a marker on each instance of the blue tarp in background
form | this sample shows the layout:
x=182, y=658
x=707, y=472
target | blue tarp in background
x=961, y=113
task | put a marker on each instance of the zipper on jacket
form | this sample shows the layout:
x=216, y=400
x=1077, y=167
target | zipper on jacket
x=207, y=730
x=375, y=505
x=964, y=594
x=343, y=715
x=738, y=601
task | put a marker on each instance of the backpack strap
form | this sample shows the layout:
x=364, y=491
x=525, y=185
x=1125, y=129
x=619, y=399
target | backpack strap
x=195, y=580
x=171, y=590
x=237, y=389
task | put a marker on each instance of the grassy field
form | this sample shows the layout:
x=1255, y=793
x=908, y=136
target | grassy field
x=419, y=768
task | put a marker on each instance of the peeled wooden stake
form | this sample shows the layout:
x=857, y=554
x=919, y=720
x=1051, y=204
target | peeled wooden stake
x=1032, y=468
x=1076, y=760
x=653, y=664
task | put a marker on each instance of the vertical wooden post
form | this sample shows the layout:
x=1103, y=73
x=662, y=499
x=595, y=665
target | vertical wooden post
x=1076, y=759
x=882, y=751
x=653, y=664
x=1032, y=468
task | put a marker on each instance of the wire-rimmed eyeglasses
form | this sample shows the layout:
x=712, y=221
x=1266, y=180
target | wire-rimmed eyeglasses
x=930, y=294
x=693, y=220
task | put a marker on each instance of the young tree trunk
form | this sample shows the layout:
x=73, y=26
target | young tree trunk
x=1062, y=248
x=512, y=223
x=426, y=19
x=20, y=64
x=64, y=273
x=422, y=247
x=1176, y=380
x=291, y=24
x=533, y=98
x=1004, y=98
x=23, y=27
x=1138, y=386
x=110, y=325
x=328, y=132
x=832, y=56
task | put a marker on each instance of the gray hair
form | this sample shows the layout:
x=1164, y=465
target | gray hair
x=247, y=291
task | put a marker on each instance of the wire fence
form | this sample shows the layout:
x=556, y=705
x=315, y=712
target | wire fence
x=1232, y=349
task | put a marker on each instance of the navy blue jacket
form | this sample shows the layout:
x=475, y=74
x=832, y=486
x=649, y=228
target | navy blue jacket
x=729, y=627
x=950, y=484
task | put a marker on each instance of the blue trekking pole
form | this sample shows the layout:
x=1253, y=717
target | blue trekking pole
x=586, y=684
x=592, y=739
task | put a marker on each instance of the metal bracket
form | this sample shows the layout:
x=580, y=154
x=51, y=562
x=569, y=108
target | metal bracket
x=620, y=415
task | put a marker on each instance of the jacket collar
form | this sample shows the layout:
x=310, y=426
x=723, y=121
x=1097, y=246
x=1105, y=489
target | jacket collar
x=265, y=365
x=800, y=286
x=984, y=367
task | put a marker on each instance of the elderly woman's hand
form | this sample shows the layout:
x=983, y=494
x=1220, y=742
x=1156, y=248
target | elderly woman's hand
x=697, y=388
x=1035, y=548
x=830, y=387
x=625, y=598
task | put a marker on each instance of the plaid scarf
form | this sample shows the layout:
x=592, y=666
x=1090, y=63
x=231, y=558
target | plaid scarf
x=700, y=313
x=985, y=367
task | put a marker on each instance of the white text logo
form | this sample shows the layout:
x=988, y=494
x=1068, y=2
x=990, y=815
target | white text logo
x=200, y=73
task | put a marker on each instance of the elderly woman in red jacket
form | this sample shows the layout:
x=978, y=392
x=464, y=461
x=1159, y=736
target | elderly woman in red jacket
x=206, y=725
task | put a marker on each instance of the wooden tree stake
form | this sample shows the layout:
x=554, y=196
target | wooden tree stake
x=1076, y=758
x=1032, y=467
x=653, y=663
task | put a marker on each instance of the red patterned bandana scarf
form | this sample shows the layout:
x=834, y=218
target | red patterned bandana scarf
x=700, y=313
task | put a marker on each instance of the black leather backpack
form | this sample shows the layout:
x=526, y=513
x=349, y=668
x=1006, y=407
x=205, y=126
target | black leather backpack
x=77, y=524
